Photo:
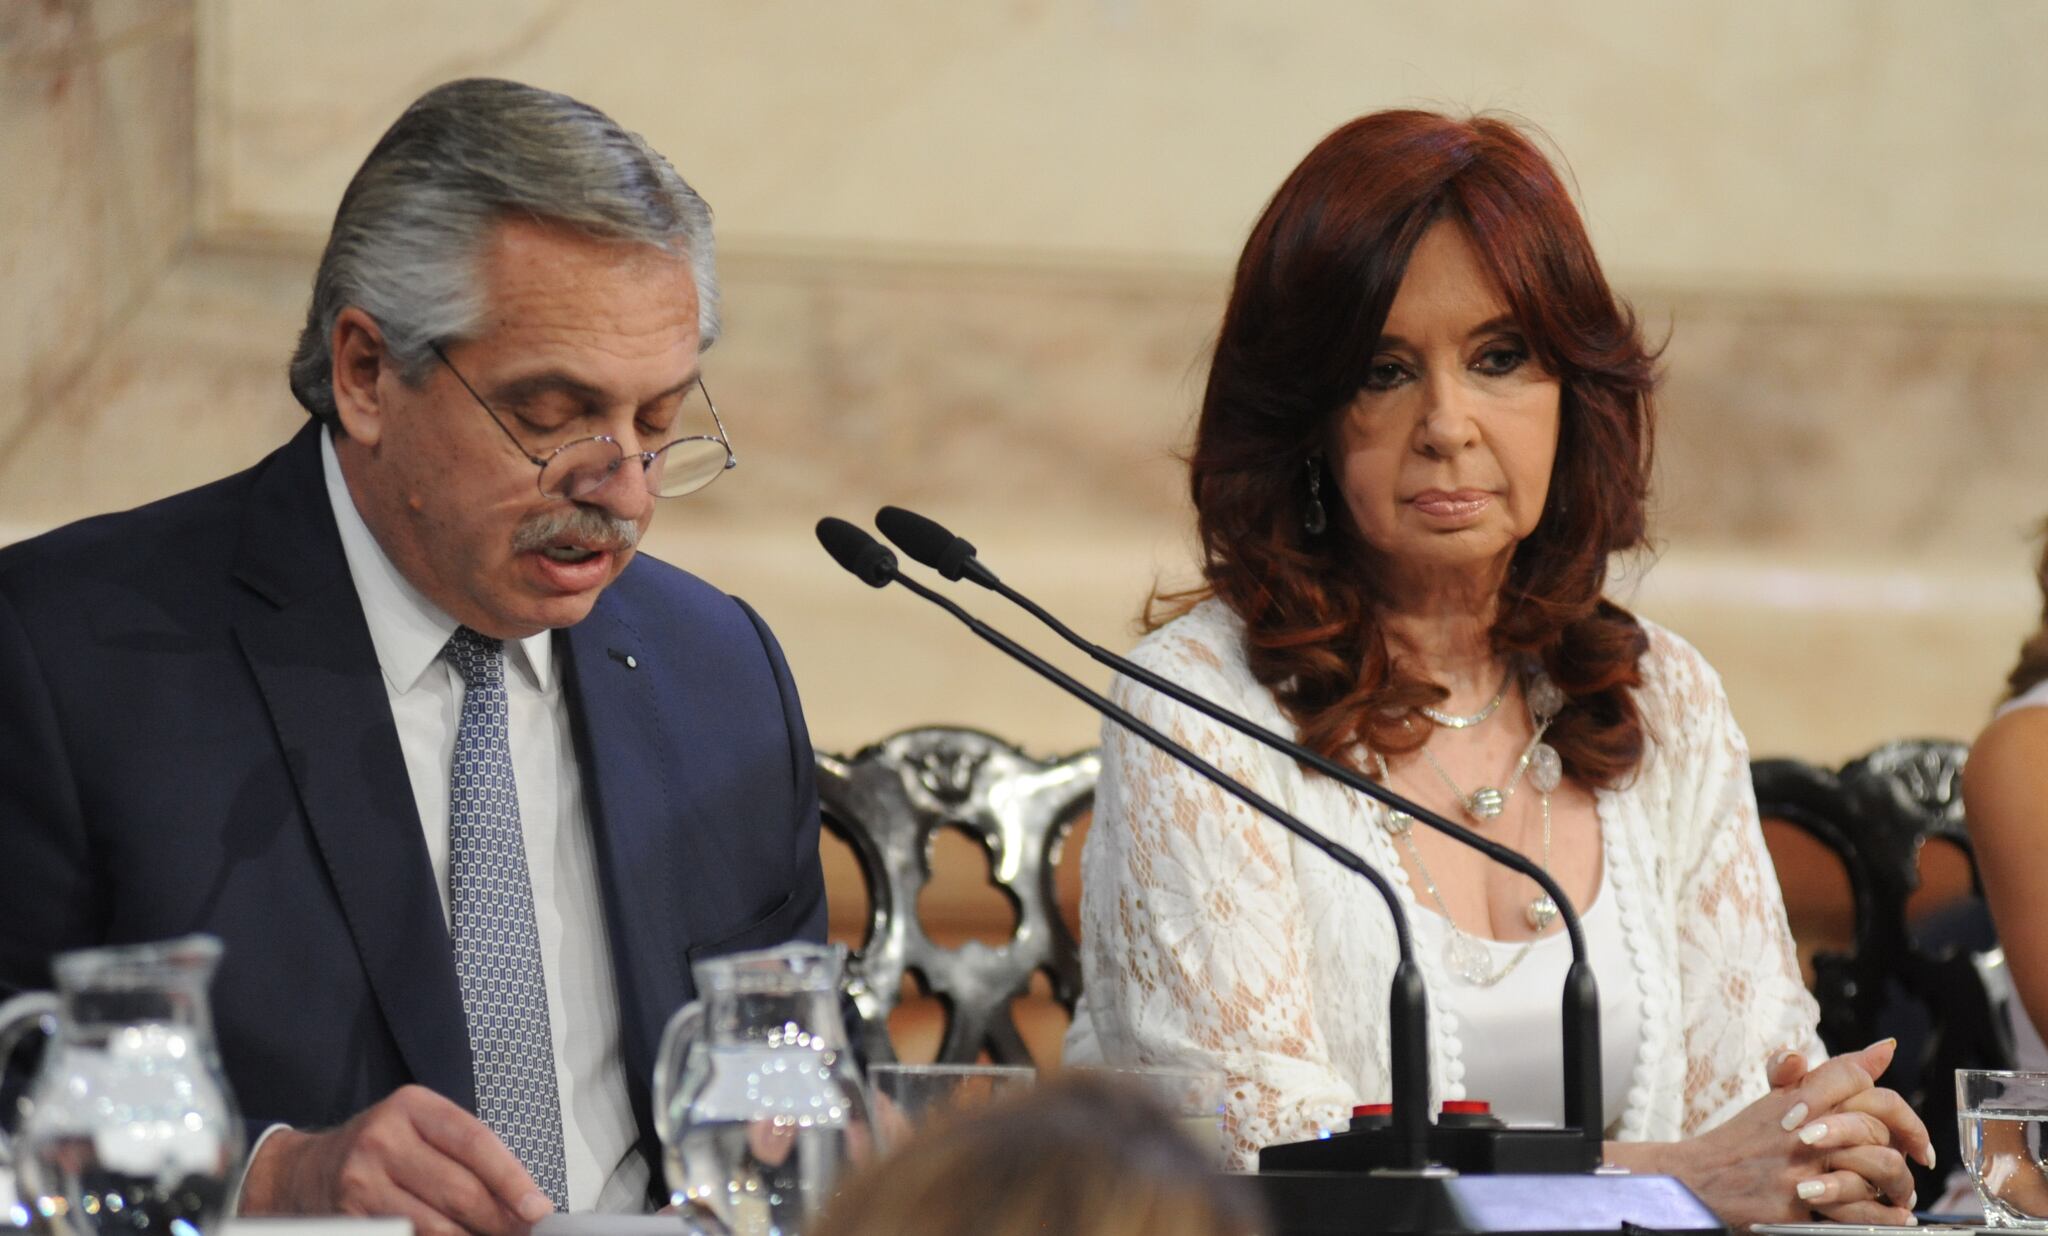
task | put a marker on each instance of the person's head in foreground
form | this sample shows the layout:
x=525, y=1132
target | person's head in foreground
x=1077, y=1154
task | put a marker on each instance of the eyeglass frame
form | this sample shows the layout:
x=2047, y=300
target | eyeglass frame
x=646, y=458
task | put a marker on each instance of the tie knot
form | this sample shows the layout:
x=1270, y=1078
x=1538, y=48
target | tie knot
x=474, y=656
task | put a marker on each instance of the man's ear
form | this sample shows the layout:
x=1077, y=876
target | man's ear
x=359, y=361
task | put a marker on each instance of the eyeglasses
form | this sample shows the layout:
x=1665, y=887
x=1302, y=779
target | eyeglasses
x=575, y=470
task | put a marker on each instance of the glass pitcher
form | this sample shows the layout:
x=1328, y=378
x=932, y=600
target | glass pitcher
x=127, y=1125
x=757, y=1097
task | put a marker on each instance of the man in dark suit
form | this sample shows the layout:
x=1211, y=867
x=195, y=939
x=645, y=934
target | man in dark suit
x=398, y=714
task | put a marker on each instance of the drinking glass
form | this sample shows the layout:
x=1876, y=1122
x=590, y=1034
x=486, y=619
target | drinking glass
x=1999, y=1117
x=909, y=1095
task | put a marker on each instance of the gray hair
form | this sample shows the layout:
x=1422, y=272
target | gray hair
x=465, y=156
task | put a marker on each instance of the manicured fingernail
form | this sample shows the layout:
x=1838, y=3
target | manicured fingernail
x=1813, y=1132
x=1777, y=1058
x=1926, y=1155
x=1884, y=1042
x=1810, y=1189
x=535, y=1206
x=1794, y=1118
x=1913, y=1200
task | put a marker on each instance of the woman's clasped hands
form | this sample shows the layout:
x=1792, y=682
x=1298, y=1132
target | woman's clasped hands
x=1829, y=1142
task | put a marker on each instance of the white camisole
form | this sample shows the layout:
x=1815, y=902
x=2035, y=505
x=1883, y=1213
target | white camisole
x=1514, y=1029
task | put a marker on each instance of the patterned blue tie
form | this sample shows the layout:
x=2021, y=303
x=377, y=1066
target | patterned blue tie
x=497, y=946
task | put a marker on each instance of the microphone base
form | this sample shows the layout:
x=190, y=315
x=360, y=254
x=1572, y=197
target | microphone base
x=1471, y=1146
x=1418, y=1204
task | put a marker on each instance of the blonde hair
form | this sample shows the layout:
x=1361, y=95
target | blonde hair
x=1077, y=1154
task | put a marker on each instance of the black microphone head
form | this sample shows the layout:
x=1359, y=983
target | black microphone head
x=926, y=540
x=850, y=547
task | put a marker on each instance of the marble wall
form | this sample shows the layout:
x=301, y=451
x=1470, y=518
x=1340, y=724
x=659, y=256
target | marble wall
x=96, y=183
x=1832, y=145
x=974, y=255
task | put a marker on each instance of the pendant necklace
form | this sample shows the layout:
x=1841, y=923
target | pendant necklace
x=1464, y=955
x=1486, y=802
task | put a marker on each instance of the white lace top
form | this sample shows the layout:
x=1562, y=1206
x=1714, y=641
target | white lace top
x=1213, y=939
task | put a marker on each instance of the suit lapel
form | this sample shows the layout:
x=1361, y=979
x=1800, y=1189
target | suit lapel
x=300, y=624
x=647, y=830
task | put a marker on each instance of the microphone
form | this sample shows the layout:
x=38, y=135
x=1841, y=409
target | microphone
x=1407, y=1006
x=931, y=543
x=867, y=559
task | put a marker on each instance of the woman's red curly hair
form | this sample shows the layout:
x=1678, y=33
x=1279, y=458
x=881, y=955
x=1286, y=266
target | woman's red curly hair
x=1306, y=311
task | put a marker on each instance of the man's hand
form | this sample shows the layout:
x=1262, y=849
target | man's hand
x=416, y=1155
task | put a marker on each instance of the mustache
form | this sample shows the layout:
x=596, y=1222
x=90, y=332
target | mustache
x=582, y=525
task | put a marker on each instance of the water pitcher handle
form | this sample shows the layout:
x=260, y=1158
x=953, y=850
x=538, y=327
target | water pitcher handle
x=19, y=1016
x=683, y=1030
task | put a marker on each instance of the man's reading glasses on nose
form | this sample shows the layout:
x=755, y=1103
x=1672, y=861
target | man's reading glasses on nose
x=575, y=470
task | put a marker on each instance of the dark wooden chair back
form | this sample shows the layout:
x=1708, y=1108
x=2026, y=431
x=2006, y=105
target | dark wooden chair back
x=1909, y=969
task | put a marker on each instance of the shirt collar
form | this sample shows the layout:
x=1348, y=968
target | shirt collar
x=407, y=630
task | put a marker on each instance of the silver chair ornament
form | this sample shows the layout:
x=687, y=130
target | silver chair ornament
x=887, y=802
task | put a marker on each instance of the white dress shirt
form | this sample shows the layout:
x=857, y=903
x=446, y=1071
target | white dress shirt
x=409, y=633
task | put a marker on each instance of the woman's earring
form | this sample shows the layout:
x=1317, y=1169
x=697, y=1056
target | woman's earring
x=1316, y=521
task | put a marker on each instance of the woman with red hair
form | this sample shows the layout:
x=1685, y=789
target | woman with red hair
x=1426, y=430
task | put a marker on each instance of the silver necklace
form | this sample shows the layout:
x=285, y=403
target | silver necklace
x=1464, y=955
x=1482, y=804
x=1452, y=721
x=1486, y=802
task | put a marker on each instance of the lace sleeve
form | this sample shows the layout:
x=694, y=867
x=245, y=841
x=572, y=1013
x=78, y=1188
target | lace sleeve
x=1194, y=935
x=1740, y=990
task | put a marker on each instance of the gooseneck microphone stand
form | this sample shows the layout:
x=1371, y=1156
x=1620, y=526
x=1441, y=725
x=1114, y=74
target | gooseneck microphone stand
x=1391, y=1182
x=1408, y=1011
x=954, y=558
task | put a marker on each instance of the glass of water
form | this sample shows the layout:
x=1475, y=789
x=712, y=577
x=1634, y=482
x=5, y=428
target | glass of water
x=907, y=1096
x=2000, y=1117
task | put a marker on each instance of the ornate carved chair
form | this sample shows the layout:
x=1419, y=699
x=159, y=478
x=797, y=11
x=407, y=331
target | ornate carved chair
x=1910, y=970
x=888, y=802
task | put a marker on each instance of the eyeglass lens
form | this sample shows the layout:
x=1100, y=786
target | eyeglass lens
x=683, y=466
x=581, y=468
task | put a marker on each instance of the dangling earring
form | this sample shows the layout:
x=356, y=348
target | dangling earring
x=1316, y=521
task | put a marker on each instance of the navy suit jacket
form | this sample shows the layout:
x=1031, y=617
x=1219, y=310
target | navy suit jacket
x=194, y=736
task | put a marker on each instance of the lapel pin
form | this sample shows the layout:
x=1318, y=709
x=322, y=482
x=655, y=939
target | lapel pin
x=626, y=659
